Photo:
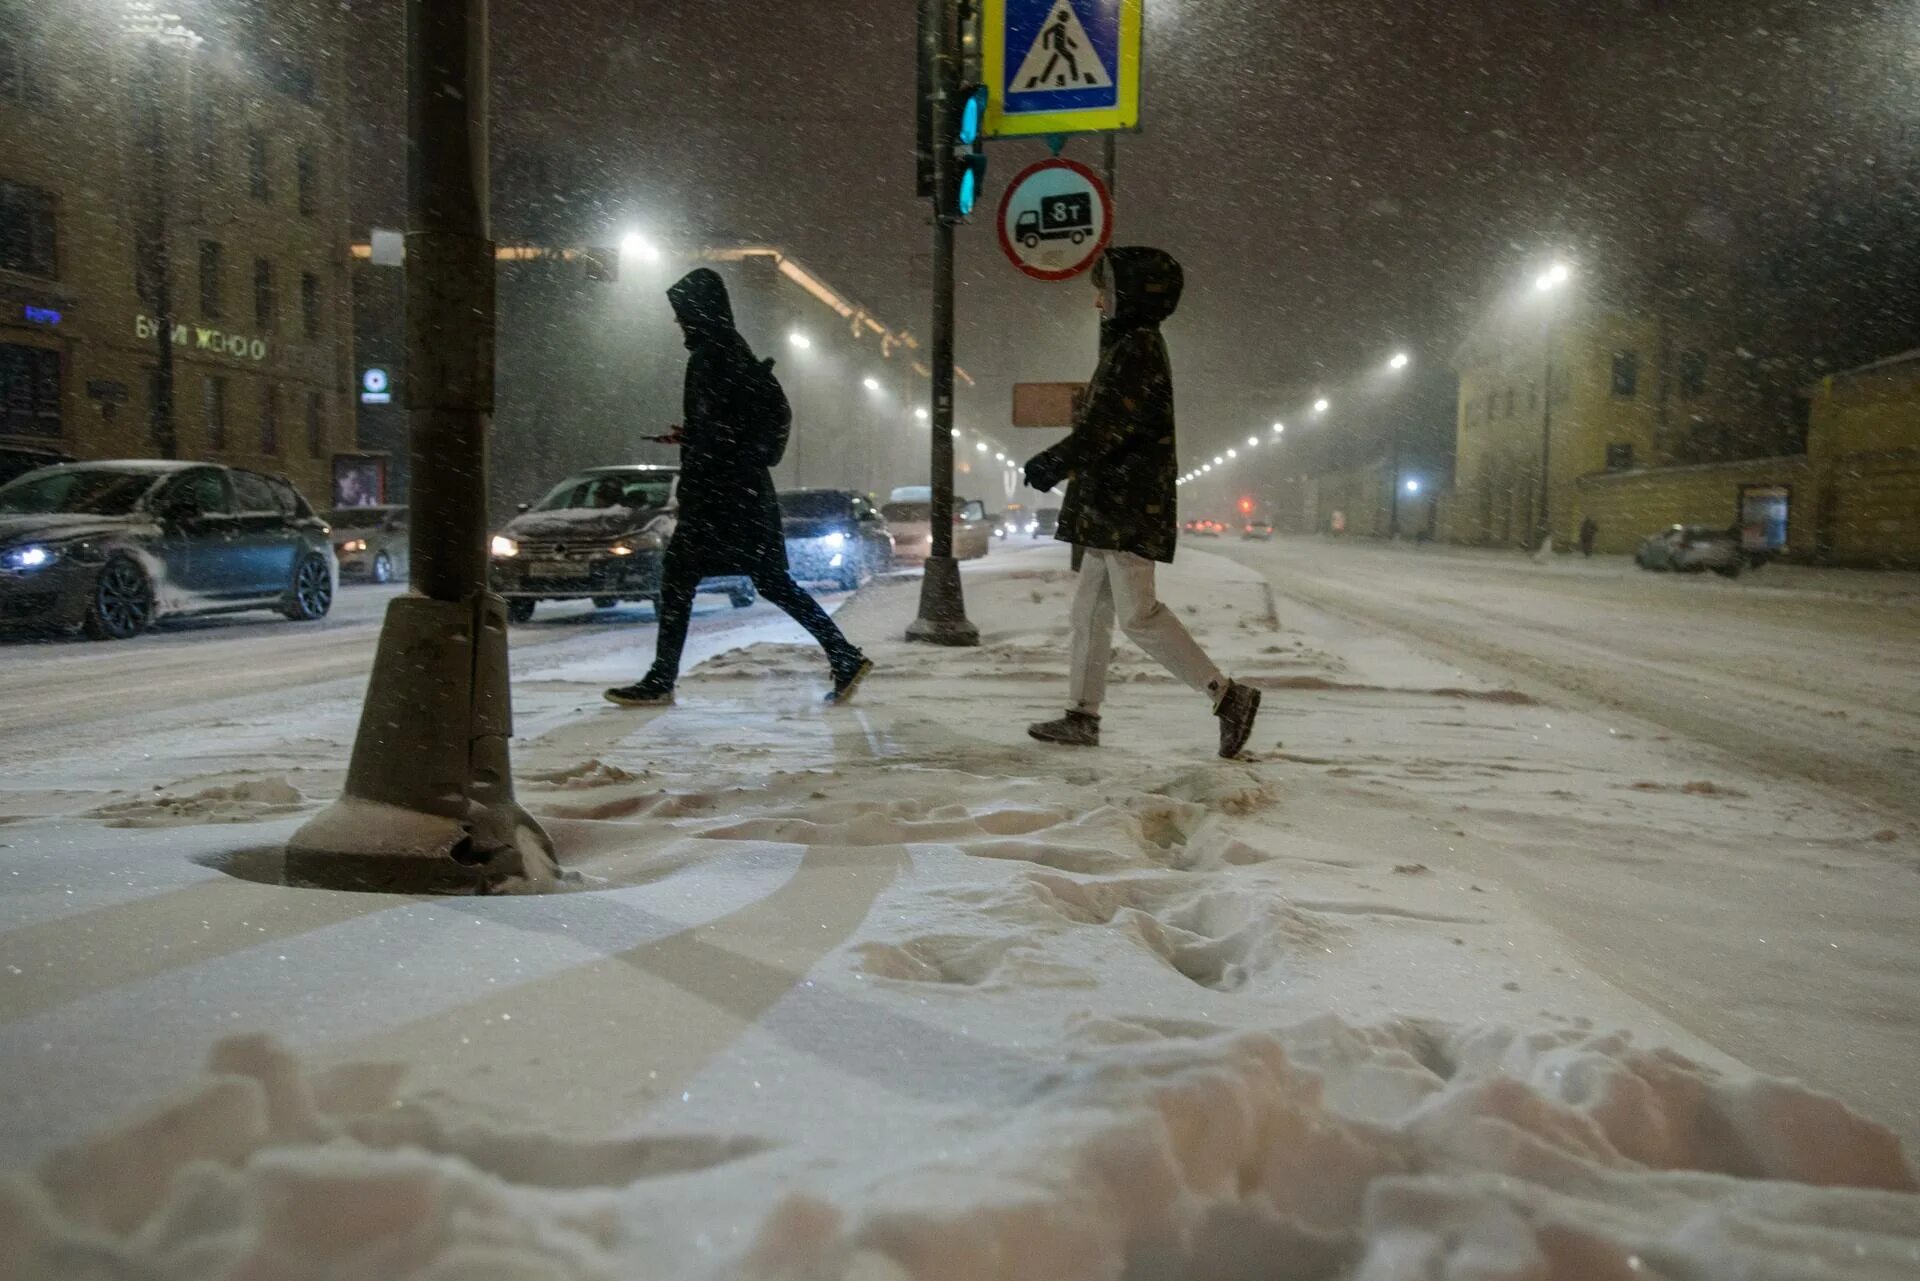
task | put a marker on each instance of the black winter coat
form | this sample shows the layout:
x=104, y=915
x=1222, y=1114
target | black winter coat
x=729, y=521
x=1121, y=457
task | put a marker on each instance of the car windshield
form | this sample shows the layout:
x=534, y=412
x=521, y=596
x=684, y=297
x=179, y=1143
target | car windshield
x=815, y=506
x=357, y=517
x=87, y=491
x=605, y=491
x=907, y=511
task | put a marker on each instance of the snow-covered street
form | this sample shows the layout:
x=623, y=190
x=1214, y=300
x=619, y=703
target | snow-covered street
x=1464, y=971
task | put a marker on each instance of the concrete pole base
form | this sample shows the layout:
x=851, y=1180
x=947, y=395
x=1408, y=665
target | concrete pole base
x=429, y=806
x=943, y=609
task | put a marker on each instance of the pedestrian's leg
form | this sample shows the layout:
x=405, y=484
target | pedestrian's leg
x=1149, y=624
x=679, y=579
x=1091, y=652
x=777, y=585
x=679, y=582
x=1092, y=644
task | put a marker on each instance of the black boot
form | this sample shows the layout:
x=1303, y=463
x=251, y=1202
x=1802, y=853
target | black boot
x=1236, y=709
x=847, y=676
x=1075, y=729
x=654, y=690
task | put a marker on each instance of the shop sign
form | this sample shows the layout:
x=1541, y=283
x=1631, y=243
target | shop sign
x=203, y=338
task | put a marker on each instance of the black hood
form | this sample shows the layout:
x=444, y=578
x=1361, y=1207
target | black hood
x=1146, y=286
x=700, y=303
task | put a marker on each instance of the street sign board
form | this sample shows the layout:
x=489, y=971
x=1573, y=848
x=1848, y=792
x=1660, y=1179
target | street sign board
x=1061, y=66
x=1055, y=219
x=1047, y=404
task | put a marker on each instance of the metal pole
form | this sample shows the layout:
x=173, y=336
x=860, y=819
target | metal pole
x=165, y=438
x=429, y=802
x=943, y=610
x=1393, y=486
x=1110, y=163
x=1543, y=527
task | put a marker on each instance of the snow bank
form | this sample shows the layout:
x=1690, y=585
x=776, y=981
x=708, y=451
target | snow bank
x=249, y=801
x=1404, y=1150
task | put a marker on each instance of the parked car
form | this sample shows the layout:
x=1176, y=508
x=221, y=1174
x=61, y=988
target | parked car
x=1694, y=548
x=110, y=547
x=912, y=529
x=370, y=542
x=598, y=535
x=1257, y=530
x=18, y=460
x=834, y=535
x=1045, y=522
x=1204, y=528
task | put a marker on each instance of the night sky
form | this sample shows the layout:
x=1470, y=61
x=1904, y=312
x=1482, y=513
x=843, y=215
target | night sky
x=1339, y=178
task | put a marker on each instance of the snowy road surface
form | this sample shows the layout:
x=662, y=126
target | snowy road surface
x=1461, y=972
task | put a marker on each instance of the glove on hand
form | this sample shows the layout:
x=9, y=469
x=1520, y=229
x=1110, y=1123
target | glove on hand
x=1044, y=471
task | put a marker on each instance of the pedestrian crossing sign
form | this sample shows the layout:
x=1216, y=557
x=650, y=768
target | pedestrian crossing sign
x=1061, y=66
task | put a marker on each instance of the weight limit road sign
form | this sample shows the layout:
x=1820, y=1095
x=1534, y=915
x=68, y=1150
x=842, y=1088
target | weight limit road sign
x=1061, y=66
x=1055, y=219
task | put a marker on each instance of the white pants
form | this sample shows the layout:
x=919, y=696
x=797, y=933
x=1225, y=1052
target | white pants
x=1122, y=583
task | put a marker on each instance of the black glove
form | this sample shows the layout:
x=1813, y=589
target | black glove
x=1044, y=471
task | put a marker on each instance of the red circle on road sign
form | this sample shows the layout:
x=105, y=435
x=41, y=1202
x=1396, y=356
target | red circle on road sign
x=1098, y=239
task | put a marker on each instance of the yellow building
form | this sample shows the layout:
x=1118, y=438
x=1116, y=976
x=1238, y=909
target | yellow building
x=191, y=165
x=1628, y=391
x=1863, y=448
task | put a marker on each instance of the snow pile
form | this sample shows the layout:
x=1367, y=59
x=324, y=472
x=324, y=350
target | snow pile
x=250, y=801
x=1405, y=1150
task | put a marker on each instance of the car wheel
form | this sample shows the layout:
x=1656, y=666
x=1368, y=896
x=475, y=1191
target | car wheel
x=739, y=597
x=519, y=609
x=122, y=604
x=382, y=569
x=311, y=594
x=605, y=602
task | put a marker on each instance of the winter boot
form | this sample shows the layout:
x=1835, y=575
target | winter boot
x=847, y=677
x=1237, y=707
x=1075, y=729
x=653, y=690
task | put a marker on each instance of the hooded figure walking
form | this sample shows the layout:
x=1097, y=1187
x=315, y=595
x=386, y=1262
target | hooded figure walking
x=1120, y=505
x=735, y=429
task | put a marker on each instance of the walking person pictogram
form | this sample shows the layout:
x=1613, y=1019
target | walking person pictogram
x=1060, y=44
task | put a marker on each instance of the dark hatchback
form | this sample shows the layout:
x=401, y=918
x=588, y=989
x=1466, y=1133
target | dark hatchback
x=109, y=547
x=835, y=536
x=598, y=535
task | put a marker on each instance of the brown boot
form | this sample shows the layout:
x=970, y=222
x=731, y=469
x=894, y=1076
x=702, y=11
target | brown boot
x=1075, y=729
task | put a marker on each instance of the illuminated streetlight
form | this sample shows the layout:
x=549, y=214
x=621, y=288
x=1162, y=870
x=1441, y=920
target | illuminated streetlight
x=870, y=383
x=1322, y=405
x=956, y=432
x=999, y=458
x=1553, y=277
x=638, y=247
x=1413, y=487
x=921, y=413
x=1400, y=360
x=1253, y=442
x=981, y=446
x=799, y=340
x=1206, y=466
x=1279, y=429
x=1232, y=454
x=1218, y=461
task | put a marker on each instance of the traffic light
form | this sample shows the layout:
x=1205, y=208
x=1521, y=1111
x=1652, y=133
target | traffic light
x=1246, y=507
x=969, y=150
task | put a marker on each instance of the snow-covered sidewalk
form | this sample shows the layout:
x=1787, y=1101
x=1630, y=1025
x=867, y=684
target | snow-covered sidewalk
x=890, y=991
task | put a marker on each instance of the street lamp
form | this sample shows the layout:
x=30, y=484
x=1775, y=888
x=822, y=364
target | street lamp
x=1400, y=361
x=1206, y=466
x=799, y=340
x=870, y=383
x=1218, y=461
x=1413, y=486
x=1547, y=282
x=1232, y=454
x=637, y=247
x=1322, y=405
x=921, y=413
x=1253, y=442
x=1279, y=429
x=981, y=446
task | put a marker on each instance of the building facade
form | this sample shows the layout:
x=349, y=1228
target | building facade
x=173, y=234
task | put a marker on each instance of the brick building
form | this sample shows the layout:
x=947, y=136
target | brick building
x=183, y=161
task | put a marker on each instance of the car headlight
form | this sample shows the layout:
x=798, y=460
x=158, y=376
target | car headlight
x=503, y=547
x=32, y=557
x=835, y=539
x=354, y=545
x=620, y=549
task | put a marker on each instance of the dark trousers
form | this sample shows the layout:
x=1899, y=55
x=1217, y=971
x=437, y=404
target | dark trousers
x=680, y=581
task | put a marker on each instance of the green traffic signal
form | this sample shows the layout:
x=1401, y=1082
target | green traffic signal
x=969, y=154
x=972, y=116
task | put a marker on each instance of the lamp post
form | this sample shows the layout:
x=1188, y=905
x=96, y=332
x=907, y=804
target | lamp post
x=429, y=803
x=1547, y=283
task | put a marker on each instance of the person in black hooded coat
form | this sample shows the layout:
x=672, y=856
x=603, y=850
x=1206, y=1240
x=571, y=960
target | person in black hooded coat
x=1120, y=507
x=729, y=517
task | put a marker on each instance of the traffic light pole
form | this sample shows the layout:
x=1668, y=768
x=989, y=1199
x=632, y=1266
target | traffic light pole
x=429, y=804
x=943, y=609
